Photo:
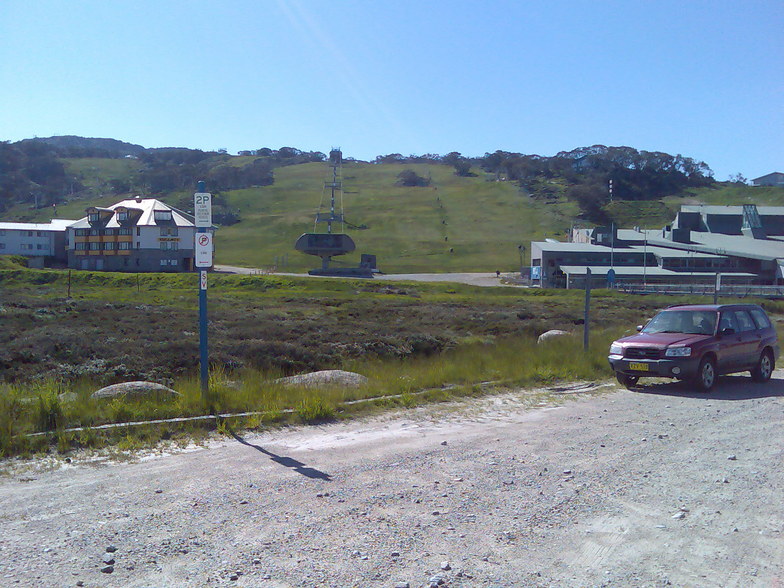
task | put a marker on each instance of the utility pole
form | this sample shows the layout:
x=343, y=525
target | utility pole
x=586, y=316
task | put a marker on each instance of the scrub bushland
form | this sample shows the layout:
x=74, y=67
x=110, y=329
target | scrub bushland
x=414, y=342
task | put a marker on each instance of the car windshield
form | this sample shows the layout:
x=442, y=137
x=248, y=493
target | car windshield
x=697, y=322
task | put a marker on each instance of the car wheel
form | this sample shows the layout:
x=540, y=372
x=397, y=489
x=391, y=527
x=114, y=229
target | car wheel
x=764, y=367
x=626, y=380
x=706, y=375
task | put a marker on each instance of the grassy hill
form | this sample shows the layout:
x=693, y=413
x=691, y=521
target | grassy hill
x=456, y=223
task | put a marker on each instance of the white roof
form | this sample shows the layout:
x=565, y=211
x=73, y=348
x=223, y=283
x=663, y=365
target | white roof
x=146, y=207
x=58, y=224
x=620, y=271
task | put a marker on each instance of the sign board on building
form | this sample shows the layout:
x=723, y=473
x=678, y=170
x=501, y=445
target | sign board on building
x=202, y=209
x=203, y=249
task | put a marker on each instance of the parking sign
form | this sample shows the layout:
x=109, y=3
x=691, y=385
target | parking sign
x=203, y=250
x=202, y=209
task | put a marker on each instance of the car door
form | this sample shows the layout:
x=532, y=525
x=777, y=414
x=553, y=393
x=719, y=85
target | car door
x=730, y=347
x=750, y=339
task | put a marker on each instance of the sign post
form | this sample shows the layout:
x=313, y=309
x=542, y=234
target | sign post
x=202, y=208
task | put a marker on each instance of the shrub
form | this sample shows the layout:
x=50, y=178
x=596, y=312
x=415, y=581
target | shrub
x=314, y=409
x=49, y=413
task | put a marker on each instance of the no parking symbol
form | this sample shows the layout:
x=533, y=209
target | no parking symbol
x=203, y=250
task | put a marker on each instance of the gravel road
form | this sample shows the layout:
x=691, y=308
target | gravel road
x=609, y=487
x=470, y=278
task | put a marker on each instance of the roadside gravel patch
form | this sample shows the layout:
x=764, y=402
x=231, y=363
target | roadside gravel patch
x=618, y=489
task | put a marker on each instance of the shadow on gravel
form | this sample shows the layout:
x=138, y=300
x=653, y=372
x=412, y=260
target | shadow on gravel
x=737, y=387
x=289, y=462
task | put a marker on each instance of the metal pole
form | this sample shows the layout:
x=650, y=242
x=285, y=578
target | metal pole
x=586, y=327
x=612, y=244
x=203, y=355
x=203, y=323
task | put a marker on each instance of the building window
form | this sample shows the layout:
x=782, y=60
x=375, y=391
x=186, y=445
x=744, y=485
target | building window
x=109, y=232
x=38, y=233
x=93, y=217
x=29, y=233
x=81, y=247
x=95, y=246
x=122, y=216
x=2, y=232
x=39, y=246
x=163, y=215
x=82, y=232
x=94, y=232
x=2, y=245
x=138, y=231
x=124, y=246
x=125, y=231
x=168, y=231
x=108, y=246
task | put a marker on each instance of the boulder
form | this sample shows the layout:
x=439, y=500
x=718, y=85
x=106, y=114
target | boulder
x=325, y=378
x=136, y=390
x=550, y=335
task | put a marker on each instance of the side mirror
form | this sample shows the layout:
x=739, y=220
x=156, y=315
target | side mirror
x=727, y=331
x=639, y=328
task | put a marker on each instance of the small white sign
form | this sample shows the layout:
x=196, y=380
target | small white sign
x=202, y=280
x=202, y=209
x=203, y=250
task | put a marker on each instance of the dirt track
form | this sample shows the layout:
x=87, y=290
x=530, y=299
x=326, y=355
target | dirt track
x=618, y=488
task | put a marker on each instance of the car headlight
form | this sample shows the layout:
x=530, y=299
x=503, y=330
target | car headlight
x=678, y=352
x=616, y=349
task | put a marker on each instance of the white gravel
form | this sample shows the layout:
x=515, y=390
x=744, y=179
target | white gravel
x=618, y=489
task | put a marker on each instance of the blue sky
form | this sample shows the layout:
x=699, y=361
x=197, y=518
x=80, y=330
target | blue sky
x=703, y=79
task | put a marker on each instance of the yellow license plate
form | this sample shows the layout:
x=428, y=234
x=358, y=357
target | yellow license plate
x=638, y=367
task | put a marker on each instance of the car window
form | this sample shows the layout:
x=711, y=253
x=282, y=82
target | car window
x=700, y=322
x=744, y=320
x=760, y=318
x=682, y=321
x=728, y=321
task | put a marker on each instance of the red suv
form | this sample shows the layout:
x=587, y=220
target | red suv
x=698, y=343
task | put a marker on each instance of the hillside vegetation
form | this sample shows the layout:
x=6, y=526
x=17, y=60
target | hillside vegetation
x=426, y=213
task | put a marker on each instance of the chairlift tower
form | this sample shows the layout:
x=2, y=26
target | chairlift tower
x=329, y=244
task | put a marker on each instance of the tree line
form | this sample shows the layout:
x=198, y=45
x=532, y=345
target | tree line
x=32, y=171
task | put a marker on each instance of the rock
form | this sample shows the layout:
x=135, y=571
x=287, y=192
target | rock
x=234, y=577
x=325, y=378
x=136, y=390
x=111, y=549
x=107, y=569
x=402, y=585
x=731, y=457
x=395, y=554
x=550, y=335
x=108, y=559
x=444, y=443
x=679, y=515
x=445, y=566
